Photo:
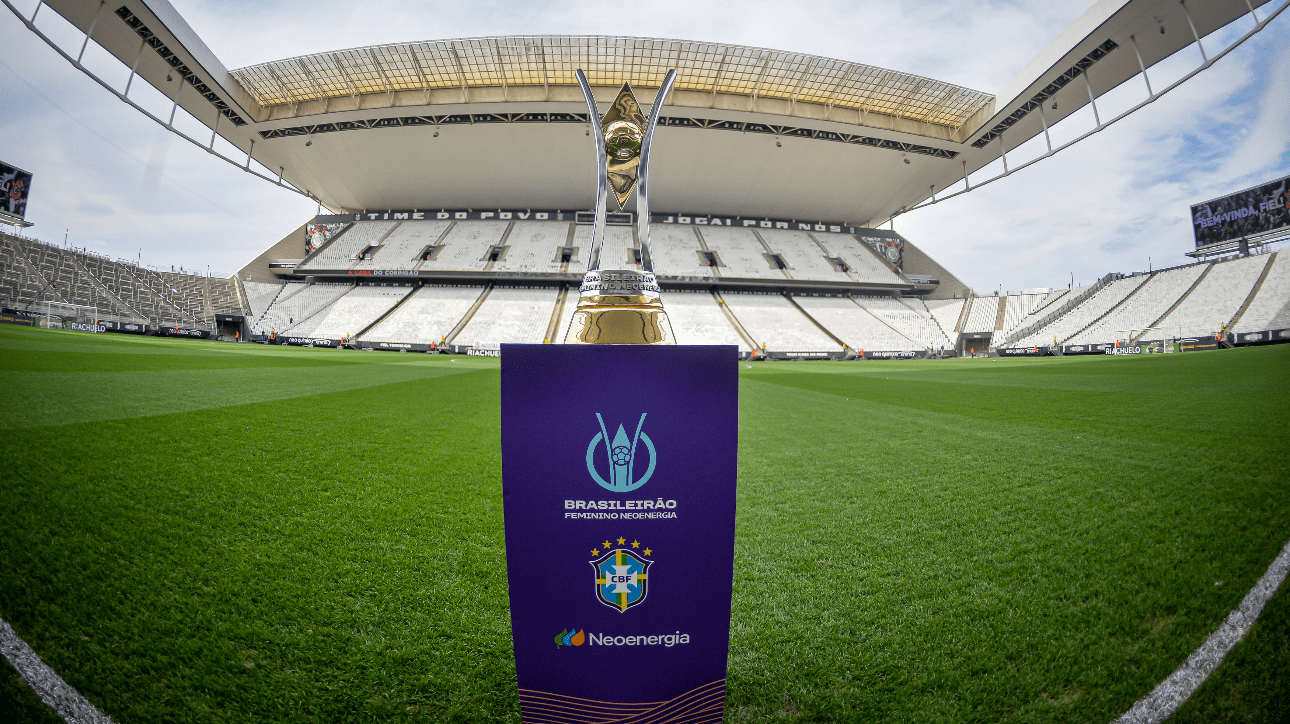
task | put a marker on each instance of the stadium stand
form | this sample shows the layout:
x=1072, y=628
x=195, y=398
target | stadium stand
x=427, y=317
x=401, y=249
x=1018, y=307
x=297, y=302
x=806, y=259
x=676, y=252
x=865, y=264
x=698, y=319
x=509, y=315
x=906, y=320
x=82, y=284
x=740, y=253
x=777, y=325
x=1045, y=304
x=340, y=252
x=1270, y=308
x=350, y=313
x=855, y=325
x=1141, y=310
x=466, y=246
x=616, y=252
x=534, y=247
x=1083, y=314
x=259, y=295
x=982, y=315
x=1214, y=301
x=946, y=312
x=566, y=316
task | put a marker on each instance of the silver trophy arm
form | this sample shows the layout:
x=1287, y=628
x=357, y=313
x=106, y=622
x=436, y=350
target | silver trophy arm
x=642, y=190
x=602, y=173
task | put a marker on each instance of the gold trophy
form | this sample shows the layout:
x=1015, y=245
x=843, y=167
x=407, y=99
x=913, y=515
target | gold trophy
x=621, y=306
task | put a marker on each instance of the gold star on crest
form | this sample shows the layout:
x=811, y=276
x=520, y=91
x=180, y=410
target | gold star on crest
x=595, y=551
x=606, y=544
x=647, y=551
x=636, y=544
x=622, y=541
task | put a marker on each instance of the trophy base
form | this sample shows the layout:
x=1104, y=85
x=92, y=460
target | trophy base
x=619, y=307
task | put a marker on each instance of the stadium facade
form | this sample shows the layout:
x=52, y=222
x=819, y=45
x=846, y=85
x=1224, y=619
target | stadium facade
x=452, y=173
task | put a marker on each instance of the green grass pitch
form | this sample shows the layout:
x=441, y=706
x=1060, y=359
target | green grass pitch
x=206, y=532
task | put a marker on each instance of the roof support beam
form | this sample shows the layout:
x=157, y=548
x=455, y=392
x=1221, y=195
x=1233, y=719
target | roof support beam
x=837, y=89
x=501, y=69
x=97, y=11
x=461, y=74
x=716, y=80
x=1143, y=65
x=546, y=83
x=353, y=89
x=1092, y=101
x=421, y=74
x=757, y=89
x=801, y=80
x=385, y=79
x=134, y=67
x=1204, y=56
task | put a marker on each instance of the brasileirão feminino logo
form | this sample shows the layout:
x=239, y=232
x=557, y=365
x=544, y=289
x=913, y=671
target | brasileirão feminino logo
x=621, y=456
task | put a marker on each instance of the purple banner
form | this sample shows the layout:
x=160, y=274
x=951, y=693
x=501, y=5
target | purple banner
x=620, y=556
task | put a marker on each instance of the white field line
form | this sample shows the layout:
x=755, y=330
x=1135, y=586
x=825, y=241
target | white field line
x=1165, y=699
x=1155, y=707
x=47, y=684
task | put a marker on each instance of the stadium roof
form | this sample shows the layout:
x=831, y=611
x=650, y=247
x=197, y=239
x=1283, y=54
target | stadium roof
x=493, y=122
x=544, y=61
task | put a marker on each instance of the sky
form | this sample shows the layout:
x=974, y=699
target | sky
x=110, y=180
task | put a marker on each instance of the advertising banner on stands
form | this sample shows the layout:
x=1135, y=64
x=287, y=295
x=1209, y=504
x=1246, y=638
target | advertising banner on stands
x=1269, y=335
x=125, y=327
x=8, y=317
x=15, y=185
x=1199, y=343
x=397, y=346
x=1023, y=352
x=1078, y=349
x=1250, y=212
x=183, y=332
x=311, y=342
x=618, y=485
x=891, y=354
x=839, y=354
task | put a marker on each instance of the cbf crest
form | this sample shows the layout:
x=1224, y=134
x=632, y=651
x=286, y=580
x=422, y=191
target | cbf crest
x=620, y=456
x=622, y=574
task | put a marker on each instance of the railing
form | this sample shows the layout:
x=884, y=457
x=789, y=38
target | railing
x=1053, y=315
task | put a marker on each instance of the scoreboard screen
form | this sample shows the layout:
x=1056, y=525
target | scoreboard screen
x=15, y=184
x=1251, y=212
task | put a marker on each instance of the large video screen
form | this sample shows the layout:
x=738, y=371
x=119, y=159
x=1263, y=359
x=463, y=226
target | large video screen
x=1246, y=213
x=15, y=184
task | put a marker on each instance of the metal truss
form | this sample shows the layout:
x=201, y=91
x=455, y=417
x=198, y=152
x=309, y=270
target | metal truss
x=1207, y=61
x=208, y=147
x=547, y=60
x=674, y=121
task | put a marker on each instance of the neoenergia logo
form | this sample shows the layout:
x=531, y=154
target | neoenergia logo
x=569, y=637
x=620, y=455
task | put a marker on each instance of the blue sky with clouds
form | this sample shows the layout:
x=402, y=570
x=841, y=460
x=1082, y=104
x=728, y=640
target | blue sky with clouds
x=125, y=187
